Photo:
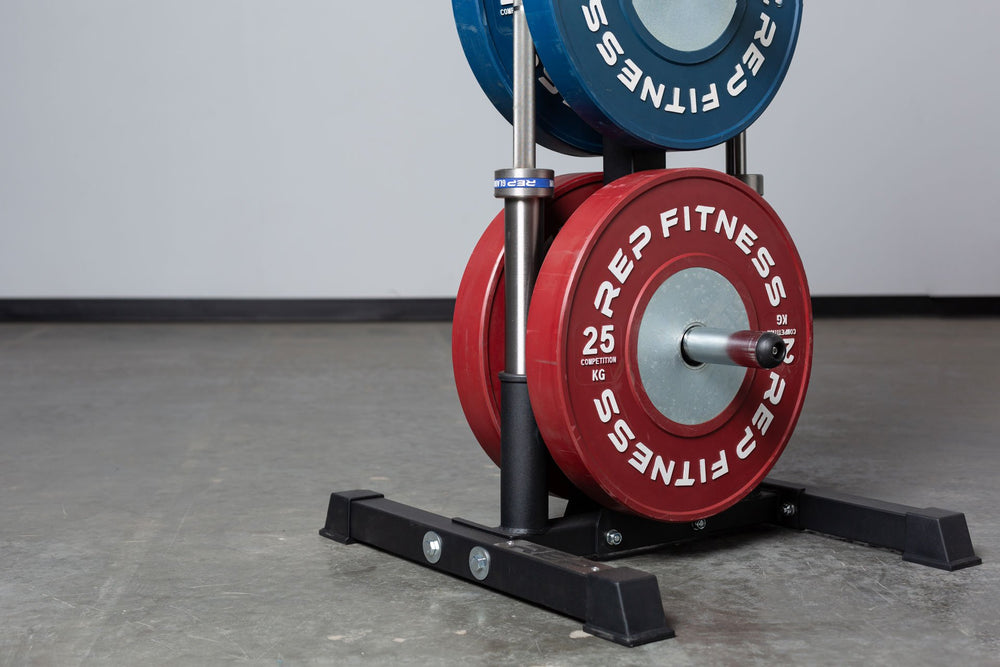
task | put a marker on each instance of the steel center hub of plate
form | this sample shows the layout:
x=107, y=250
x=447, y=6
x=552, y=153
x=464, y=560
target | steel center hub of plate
x=686, y=298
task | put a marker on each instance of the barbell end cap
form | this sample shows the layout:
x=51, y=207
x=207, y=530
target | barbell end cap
x=770, y=350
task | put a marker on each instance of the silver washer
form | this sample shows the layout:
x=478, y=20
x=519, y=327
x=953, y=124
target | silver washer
x=433, y=546
x=479, y=563
x=686, y=394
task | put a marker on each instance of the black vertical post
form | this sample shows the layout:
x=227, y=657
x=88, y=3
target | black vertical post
x=736, y=163
x=621, y=160
x=736, y=155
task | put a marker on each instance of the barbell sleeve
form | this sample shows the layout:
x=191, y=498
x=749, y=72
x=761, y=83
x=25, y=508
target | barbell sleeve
x=752, y=349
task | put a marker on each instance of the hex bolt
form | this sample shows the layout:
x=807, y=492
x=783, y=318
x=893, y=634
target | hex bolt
x=789, y=509
x=613, y=537
x=479, y=562
x=700, y=524
x=433, y=545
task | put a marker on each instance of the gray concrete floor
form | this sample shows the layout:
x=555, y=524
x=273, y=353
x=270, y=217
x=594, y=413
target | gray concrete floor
x=162, y=486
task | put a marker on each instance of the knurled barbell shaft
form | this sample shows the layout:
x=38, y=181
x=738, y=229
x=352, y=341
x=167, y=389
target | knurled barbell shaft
x=753, y=349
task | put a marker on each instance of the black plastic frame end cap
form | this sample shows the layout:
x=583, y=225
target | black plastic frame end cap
x=338, y=514
x=939, y=538
x=624, y=606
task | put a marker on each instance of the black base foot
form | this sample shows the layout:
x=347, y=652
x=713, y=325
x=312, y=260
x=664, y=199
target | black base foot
x=623, y=604
x=616, y=603
x=928, y=536
x=338, y=515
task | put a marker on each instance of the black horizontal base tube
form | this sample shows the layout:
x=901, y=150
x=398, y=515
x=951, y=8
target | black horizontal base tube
x=928, y=536
x=622, y=604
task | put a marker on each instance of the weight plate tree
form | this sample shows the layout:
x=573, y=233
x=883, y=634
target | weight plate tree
x=644, y=370
x=673, y=74
x=485, y=28
x=664, y=350
x=477, y=335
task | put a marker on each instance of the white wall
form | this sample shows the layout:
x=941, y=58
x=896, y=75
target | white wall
x=298, y=148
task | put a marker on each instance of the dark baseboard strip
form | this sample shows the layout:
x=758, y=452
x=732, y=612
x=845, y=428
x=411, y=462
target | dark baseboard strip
x=906, y=306
x=226, y=310
x=410, y=310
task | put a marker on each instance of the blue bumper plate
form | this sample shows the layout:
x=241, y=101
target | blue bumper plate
x=672, y=74
x=487, y=33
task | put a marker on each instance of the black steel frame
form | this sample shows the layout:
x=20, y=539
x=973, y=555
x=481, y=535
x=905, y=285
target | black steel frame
x=561, y=568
